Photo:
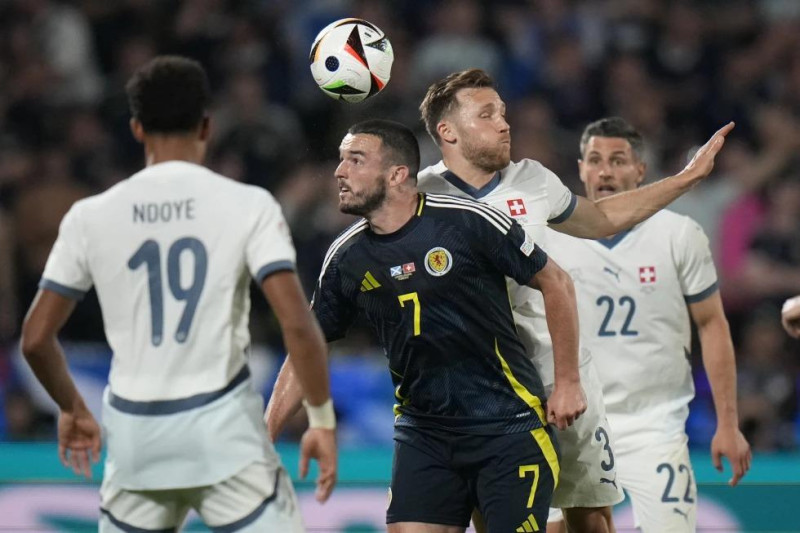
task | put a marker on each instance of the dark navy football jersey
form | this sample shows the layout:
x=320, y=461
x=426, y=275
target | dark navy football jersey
x=435, y=293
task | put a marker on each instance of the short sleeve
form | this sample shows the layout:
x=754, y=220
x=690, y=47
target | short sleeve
x=67, y=271
x=334, y=311
x=507, y=245
x=270, y=247
x=698, y=277
x=561, y=200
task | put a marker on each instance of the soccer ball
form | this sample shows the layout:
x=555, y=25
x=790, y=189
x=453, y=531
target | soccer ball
x=351, y=59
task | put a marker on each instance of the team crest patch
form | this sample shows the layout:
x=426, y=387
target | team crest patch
x=438, y=261
x=647, y=274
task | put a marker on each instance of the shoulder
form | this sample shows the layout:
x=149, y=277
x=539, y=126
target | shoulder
x=429, y=177
x=460, y=210
x=670, y=222
x=344, y=241
x=526, y=170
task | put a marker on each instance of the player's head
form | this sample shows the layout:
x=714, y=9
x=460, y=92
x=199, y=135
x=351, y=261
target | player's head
x=169, y=96
x=467, y=118
x=377, y=158
x=611, y=158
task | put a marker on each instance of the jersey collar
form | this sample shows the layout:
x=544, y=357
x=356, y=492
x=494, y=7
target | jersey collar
x=469, y=189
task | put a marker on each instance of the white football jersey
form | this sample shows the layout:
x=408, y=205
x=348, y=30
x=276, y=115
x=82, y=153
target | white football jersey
x=533, y=196
x=170, y=252
x=633, y=291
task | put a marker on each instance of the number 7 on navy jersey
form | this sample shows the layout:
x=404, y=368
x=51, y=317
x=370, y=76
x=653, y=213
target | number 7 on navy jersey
x=149, y=254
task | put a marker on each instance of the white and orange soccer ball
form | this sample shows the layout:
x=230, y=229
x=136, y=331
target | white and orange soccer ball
x=351, y=59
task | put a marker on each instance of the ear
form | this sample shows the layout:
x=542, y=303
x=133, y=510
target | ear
x=137, y=130
x=641, y=167
x=398, y=176
x=445, y=131
x=205, y=128
x=580, y=171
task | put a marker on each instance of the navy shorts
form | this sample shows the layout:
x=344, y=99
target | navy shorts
x=439, y=477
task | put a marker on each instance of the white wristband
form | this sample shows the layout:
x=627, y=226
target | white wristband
x=321, y=416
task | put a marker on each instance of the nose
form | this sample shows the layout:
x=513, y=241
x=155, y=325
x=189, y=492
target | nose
x=504, y=125
x=605, y=170
x=340, y=171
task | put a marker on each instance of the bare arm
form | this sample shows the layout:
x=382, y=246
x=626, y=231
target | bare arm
x=720, y=365
x=619, y=212
x=301, y=334
x=309, y=366
x=78, y=432
x=567, y=401
x=285, y=401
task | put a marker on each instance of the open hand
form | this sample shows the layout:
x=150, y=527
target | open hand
x=321, y=445
x=78, y=441
x=703, y=161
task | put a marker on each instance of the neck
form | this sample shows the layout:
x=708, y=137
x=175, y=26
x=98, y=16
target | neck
x=162, y=148
x=393, y=214
x=467, y=171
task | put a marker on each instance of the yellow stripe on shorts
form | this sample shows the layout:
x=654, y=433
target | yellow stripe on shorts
x=539, y=434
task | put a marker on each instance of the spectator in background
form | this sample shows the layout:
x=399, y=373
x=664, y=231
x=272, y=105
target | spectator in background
x=267, y=135
x=8, y=293
x=456, y=41
x=767, y=390
x=63, y=33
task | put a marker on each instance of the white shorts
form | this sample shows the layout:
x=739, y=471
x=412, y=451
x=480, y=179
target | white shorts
x=660, y=482
x=588, y=475
x=258, y=498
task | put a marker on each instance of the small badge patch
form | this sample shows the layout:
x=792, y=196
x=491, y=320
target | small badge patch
x=527, y=246
x=438, y=261
x=402, y=272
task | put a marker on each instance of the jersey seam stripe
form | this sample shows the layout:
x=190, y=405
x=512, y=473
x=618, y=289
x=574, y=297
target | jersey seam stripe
x=489, y=210
x=491, y=221
x=504, y=230
x=338, y=244
x=480, y=205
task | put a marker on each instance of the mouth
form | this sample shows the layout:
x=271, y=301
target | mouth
x=605, y=190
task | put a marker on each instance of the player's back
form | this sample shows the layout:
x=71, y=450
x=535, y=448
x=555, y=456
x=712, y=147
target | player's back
x=168, y=252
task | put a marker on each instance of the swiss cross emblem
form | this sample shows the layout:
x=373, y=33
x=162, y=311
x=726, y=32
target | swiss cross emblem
x=647, y=274
x=516, y=207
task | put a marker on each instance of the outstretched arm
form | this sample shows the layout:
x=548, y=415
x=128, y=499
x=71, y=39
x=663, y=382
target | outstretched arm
x=78, y=431
x=720, y=365
x=619, y=212
x=308, y=360
x=567, y=401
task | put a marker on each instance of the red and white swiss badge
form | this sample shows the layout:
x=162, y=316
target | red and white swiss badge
x=647, y=274
x=516, y=207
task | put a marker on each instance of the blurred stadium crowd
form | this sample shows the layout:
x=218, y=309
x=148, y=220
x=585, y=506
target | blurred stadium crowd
x=676, y=69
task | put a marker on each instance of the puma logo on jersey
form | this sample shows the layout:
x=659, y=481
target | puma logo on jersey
x=369, y=282
x=529, y=525
x=609, y=271
x=685, y=515
x=609, y=481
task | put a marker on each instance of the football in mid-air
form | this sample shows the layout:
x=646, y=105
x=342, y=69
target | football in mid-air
x=351, y=59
